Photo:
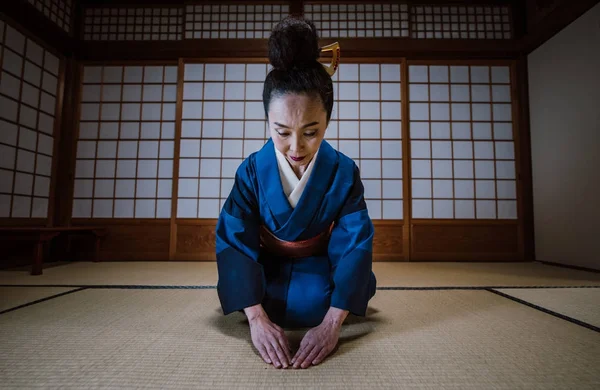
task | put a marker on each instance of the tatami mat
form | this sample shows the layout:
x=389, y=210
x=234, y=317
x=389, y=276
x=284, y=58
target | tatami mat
x=119, y=273
x=176, y=339
x=388, y=274
x=442, y=274
x=578, y=303
x=11, y=297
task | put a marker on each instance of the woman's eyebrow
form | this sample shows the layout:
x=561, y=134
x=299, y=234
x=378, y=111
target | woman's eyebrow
x=304, y=127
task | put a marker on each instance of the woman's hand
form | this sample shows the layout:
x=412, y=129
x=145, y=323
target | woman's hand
x=268, y=338
x=318, y=342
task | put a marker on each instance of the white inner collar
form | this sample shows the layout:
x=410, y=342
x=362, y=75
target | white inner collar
x=292, y=186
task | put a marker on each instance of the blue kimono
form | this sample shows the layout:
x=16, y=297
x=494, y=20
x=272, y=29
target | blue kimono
x=296, y=292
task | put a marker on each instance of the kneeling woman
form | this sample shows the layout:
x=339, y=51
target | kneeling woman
x=294, y=238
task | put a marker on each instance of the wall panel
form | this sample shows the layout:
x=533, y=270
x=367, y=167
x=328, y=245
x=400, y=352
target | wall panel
x=464, y=241
x=126, y=240
x=196, y=240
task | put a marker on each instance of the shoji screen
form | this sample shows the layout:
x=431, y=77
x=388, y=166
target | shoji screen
x=125, y=147
x=233, y=20
x=359, y=20
x=59, y=11
x=366, y=126
x=223, y=122
x=462, y=145
x=28, y=101
x=461, y=22
x=133, y=24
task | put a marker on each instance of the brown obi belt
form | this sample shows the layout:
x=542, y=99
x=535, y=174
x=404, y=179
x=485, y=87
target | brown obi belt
x=294, y=249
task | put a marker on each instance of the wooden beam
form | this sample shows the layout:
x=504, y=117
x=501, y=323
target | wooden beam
x=77, y=21
x=172, y=3
x=67, y=145
x=519, y=18
x=296, y=7
x=351, y=47
x=521, y=81
x=406, y=168
x=138, y=3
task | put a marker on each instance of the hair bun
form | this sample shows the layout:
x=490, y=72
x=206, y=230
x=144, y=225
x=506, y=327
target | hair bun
x=293, y=43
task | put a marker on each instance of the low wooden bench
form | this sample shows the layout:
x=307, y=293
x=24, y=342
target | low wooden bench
x=43, y=235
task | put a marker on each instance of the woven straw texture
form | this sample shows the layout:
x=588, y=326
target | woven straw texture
x=178, y=339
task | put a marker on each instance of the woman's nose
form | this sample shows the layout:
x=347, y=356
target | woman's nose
x=296, y=144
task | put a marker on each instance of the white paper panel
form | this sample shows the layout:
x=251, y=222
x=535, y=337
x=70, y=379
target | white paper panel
x=6, y=181
x=5, y=205
x=422, y=208
x=443, y=209
x=478, y=95
x=27, y=139
x=43, y=165
x=123, y=208
x=15, y=40
x=13, y=63
x=10, y=85
x=486, y=209
x=23, y=184
x=139, y=134
x=39, y=207
x=25, y=161
x=21, y=206
x=507, y=209
x=8, y=109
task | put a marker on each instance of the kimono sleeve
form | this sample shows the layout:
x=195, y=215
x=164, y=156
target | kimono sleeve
x=241, y=278
x=351, y=253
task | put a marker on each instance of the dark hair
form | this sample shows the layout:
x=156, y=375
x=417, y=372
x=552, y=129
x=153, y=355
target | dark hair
x=294, y=52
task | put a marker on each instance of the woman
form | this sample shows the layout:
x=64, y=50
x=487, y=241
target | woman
x=294, y=238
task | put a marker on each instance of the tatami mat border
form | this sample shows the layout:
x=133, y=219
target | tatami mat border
x=547, y=311
x=41, y=300
x=491, y=289
x=201, y=287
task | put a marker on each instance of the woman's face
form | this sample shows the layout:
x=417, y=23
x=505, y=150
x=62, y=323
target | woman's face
x=297, y=124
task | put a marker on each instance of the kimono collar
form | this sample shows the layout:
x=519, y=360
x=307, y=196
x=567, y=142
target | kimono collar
x=293, y=221
x=292, y=186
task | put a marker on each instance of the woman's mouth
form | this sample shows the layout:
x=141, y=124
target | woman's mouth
x=297, y=158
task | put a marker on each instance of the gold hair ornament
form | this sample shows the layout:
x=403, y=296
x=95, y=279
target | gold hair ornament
x=335, y=60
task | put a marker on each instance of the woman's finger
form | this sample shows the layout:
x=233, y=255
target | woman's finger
x=311, y=356
x=285, y=346
x=281, y=334
x=301, y=349
x=279, y=349
x=264, y=354
x=287, y=342
x=321, y=356
x=303, y=355
x=299, y=352
x=272, y=355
